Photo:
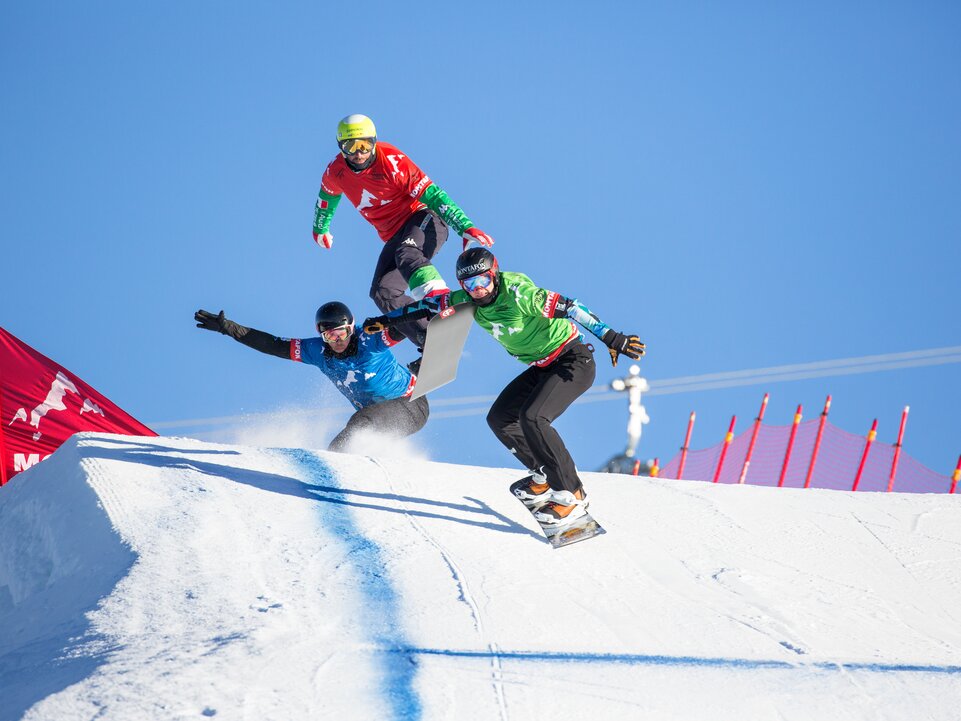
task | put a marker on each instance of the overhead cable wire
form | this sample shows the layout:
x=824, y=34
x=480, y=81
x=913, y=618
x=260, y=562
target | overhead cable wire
x=478, y=405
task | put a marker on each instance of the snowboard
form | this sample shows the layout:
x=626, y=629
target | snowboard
x=580, y=530
x=443, y=348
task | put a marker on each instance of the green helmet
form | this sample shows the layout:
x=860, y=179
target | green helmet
x=355, y=126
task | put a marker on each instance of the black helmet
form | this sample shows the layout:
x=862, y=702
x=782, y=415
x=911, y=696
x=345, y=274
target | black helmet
x=479, y=262
x=475, y=262
x=333, y=315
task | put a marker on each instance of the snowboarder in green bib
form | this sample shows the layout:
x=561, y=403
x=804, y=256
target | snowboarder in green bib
x=535, y=326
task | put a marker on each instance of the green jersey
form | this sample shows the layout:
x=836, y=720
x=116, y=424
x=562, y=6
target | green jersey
x=520, y=319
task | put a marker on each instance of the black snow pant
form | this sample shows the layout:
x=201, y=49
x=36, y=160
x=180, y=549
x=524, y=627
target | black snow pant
x=522, y=415
x=410, y=248
x=395, y=418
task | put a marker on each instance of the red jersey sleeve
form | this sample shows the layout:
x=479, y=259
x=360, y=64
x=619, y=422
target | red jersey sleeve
x=328, y=183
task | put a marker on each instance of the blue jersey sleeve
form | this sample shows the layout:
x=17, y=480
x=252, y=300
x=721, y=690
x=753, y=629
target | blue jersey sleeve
x=308, y=350
x=382, y=341
x=581, y=314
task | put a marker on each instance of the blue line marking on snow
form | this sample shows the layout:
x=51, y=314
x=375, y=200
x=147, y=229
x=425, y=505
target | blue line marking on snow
x=655, y=660
x=381, y=604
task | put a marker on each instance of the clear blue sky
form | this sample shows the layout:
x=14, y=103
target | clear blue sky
x=742, y=184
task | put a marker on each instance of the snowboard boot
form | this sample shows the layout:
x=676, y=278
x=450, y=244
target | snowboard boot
x=414, y=365
x=532, y=490
x=565, y=507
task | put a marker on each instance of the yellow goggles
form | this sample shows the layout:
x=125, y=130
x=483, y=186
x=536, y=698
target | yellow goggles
x=336, y=334
x=353, y=146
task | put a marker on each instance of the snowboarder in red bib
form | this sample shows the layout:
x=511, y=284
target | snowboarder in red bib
x=535, y=326
x=408, y=210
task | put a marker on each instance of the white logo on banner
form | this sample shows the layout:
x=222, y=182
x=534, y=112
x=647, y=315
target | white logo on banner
x=53, y=402
x=22, y=461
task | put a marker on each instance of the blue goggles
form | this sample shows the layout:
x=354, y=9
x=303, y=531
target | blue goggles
x=485, y=280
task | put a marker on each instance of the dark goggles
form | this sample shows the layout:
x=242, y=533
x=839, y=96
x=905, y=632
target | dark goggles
x=477, y=282
x=352, y=146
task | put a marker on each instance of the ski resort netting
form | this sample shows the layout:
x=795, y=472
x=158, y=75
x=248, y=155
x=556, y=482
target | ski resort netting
x=836, y=463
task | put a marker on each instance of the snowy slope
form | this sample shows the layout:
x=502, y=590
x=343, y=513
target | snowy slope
x=167, y=578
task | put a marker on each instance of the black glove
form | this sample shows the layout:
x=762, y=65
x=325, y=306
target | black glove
x=438, y=304
x=375, y=325
x=209, y=321
x=620, y=344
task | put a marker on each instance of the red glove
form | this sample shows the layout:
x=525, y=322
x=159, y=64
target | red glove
x=324, y=240
x=476, y=235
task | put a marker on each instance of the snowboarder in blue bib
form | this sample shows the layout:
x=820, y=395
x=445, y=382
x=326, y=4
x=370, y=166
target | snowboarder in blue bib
x=535, y=326
x=361, y=367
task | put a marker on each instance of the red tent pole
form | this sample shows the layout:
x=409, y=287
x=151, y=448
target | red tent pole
x=872, y=434
x=727, y=442
x=817, y=442
x=790, y=447
x=687, y=444
x=956, y=476
x=897, y=448
x=750, y=448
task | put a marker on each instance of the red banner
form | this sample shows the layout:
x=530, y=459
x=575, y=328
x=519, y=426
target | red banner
x=42, y=404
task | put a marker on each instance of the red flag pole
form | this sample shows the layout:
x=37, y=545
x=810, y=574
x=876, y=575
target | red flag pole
x=897, y=448
x=817, y=442
x=790, y=447
x=3, y=446
x=637, y=468
x=956, y=476
x=727, y=443
x=872, y=434
x=750, y=448
x=686, y=446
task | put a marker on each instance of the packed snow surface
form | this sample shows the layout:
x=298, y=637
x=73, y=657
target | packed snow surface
x=166, y=578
